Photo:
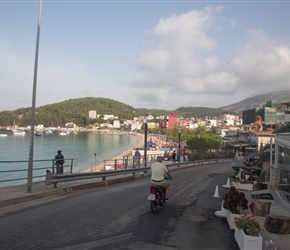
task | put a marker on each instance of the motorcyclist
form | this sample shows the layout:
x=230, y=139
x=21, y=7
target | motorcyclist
x=158, y=173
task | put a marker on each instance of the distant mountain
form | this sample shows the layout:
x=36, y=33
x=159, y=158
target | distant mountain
x=258, y=101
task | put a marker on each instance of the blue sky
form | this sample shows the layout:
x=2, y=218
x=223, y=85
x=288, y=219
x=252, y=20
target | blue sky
x=147, y=54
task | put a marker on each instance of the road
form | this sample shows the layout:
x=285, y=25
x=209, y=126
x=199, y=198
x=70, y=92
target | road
x=119, y=217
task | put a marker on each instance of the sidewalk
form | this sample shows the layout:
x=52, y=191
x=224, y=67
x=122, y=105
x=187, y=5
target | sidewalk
x=277, y=208
x=282, y=241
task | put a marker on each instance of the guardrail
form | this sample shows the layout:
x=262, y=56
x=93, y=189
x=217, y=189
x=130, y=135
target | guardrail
x=14, y=172
x=55, y=178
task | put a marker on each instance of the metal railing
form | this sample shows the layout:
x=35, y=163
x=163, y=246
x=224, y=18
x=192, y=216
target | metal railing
x=54, y=179
x=16, y=172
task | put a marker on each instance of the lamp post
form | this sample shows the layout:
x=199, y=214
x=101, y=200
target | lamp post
x=178, y=155
x=217, y=141
x=145, y=141
x=233, y=146
x=198, y=137
x=32, y=120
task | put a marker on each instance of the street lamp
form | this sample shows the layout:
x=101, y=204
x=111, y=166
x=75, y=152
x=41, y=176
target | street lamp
x=32, y=120
x=145, y=141
x=178, y=147
x=198, y=137
x=217, y=141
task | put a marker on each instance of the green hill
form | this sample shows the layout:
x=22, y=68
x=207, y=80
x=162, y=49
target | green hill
x=77, y=110
x=73, y=110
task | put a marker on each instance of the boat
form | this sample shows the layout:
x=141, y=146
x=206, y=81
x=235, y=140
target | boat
x=3, y=135
x=19, y=132
x=37, y=134
x=49, y=132
x=63, y=133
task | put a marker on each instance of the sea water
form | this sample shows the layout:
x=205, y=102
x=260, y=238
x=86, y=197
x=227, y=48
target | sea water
x=85, y=148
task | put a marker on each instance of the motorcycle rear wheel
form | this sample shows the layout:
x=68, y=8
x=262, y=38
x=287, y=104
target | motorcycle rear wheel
x=153, y=205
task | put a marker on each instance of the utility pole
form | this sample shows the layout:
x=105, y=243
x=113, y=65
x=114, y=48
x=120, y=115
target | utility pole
x=32, y=121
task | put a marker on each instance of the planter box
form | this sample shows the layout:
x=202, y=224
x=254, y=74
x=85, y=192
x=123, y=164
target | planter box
x=241, y=186
x=247, y=242
x=230, y=219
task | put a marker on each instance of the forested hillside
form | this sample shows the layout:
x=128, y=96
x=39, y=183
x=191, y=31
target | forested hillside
x=73, y=110
x=77, y=111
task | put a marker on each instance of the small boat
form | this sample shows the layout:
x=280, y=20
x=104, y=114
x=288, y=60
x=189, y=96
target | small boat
x=3, y=135
x=49, y=132
x=19, y=132
x=37, y=134
x=63, y=133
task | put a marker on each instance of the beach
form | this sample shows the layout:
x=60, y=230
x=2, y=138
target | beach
x=100, y=165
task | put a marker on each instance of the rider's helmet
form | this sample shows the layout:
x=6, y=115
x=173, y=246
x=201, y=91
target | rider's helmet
x=159, y=158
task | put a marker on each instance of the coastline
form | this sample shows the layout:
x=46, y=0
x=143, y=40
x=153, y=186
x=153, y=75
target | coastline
x=100, y=165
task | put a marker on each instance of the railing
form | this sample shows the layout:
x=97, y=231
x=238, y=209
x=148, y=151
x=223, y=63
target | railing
x=54, y=179
x=129, y=161
x=14, y=173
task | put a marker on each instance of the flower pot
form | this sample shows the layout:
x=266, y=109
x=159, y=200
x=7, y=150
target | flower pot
x=248, y=242
x=241, y=186
x=230, y=219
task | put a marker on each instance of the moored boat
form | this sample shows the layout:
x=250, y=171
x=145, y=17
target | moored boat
x=19, y=132
x=3, y=135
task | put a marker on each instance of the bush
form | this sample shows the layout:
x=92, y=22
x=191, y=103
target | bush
x=235, y=201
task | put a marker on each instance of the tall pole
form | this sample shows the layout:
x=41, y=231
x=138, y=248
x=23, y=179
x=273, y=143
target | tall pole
x=145, y=141
x=198, y=137
x=32, y=121
x=217, y=141
x=178, y=155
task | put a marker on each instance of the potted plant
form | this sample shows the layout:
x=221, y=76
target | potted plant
x=235, y=202
x=247, y=232
x=258, y=183
x=244, y=184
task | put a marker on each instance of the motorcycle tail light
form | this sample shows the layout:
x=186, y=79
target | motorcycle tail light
x=153, y=190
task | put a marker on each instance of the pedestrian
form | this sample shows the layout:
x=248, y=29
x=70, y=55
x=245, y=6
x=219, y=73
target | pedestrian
x=137, y=157
x=173, y=157
x=158, y=173
x=59, y=162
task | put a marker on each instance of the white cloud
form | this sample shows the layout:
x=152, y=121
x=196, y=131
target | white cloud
x=181, y=62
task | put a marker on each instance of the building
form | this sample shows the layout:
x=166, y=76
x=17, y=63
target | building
x=280, y=170
x=169, y=121
x=93, y=114
x=269, y=114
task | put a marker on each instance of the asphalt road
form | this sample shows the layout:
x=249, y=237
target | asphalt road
x=119, y=217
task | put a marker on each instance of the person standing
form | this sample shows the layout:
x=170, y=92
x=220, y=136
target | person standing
x=137, y=157
x=173, y=157
x=59, y=162
x=158, y=172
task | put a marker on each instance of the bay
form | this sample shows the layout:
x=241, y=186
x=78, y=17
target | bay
x=86, y=148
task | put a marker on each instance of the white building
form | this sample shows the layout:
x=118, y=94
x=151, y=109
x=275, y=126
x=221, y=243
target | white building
x=116, y=124
x=93, y=114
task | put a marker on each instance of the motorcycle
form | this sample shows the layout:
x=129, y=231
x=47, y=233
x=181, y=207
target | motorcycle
x=156, y=197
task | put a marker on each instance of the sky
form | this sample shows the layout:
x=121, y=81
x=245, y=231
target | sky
x=147, y=54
